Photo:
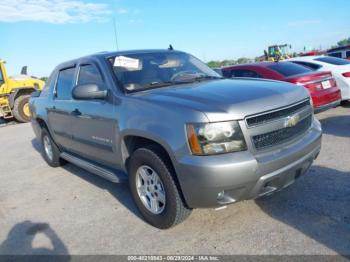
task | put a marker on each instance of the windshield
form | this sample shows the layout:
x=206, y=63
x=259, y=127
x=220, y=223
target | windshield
x=144, y=71
x=333, y=60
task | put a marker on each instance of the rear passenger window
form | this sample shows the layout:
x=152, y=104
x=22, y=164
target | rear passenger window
x=89, y=74
x=49, y=84
x=309, y=65
x=65, y=83
x=347, y=54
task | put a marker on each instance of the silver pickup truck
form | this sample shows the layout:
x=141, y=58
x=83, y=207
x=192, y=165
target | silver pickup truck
x=181, y=135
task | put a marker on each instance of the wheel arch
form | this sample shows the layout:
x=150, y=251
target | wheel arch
x=42, y=123
x=130, y=143
x=19, y=92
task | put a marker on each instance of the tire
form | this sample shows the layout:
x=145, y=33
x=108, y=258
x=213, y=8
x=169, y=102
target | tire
x=20, y=108
x=52, y=159
x=174, y=209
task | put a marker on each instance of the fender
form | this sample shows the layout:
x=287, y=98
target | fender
x=13, y=95
x=146, y=135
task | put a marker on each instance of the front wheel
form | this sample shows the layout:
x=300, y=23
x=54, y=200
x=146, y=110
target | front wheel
x=154, y=190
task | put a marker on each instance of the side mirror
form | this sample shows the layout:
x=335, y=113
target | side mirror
x=36, y=93
x=88, y=91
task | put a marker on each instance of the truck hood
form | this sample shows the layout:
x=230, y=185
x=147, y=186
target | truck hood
x=228, y=99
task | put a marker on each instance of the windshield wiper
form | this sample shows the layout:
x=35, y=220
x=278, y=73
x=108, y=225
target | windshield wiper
x=199, y=78
x=158, y=84
x=207, y=77
x=173, y=82
x=154, y=85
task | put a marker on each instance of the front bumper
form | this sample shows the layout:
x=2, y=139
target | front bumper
x=212, y=181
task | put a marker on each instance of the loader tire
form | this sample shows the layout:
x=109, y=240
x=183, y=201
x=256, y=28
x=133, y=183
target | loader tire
x=20, y=109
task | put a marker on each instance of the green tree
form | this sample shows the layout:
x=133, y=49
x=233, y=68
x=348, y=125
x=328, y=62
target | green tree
x=344, y=42
x=214, y=64
x=44, y=78
x=227, y=62
x=243, y=60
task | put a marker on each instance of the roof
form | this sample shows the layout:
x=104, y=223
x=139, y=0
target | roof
x=126, y=52
x=106, y=54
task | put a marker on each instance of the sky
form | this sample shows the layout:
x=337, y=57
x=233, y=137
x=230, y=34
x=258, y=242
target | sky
x=44, y=33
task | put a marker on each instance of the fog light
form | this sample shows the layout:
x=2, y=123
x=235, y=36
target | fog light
x=221, y=195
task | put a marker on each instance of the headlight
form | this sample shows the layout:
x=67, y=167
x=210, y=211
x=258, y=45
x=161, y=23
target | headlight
x=215, y=138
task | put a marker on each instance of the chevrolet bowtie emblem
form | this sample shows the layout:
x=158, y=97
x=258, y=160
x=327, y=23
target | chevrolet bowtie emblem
x=292, y=121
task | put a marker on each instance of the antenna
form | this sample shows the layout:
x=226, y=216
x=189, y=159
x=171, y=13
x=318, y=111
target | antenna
x=115, y=34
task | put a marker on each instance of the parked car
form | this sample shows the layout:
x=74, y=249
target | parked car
x=313, y=53
x=340, y=52
x=340, y=69
x=321, y=85
x=182, y=135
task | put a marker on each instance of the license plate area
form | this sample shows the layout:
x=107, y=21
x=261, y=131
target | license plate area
x=326, y=84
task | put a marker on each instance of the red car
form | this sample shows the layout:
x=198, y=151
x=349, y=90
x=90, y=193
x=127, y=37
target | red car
x=321, y=85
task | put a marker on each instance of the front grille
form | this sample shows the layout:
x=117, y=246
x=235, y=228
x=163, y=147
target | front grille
x=268, y=117
x=280, y=136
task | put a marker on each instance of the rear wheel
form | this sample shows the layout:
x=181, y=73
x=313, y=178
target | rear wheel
x=21, y=110
x=50, y=151
x=154, y=189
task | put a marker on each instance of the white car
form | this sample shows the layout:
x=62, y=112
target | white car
x=340, y=69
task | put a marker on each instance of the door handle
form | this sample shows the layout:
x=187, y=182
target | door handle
x=76, y=112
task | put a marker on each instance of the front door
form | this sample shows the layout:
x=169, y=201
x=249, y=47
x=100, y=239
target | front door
x=94, y=125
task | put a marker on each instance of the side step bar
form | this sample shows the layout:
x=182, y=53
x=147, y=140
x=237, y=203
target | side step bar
x=97, y=170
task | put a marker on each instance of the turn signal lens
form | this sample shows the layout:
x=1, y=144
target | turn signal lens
x=193, y=140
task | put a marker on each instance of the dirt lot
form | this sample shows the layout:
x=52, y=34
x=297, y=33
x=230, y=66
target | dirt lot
x=69, y=211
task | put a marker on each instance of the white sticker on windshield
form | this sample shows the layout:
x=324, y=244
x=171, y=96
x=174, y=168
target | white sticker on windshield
x=123, y=61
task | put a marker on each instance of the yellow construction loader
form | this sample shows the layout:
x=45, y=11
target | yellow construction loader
x=276, y=53
x=15, y=92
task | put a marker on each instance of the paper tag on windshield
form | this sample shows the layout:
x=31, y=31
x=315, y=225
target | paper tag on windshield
x=123, y=61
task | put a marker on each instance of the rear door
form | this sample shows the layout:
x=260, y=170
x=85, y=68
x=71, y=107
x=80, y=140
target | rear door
x=95, y=123
x=59, y=112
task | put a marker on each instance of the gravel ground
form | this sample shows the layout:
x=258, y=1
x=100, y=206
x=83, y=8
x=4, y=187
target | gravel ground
x=69, y=211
